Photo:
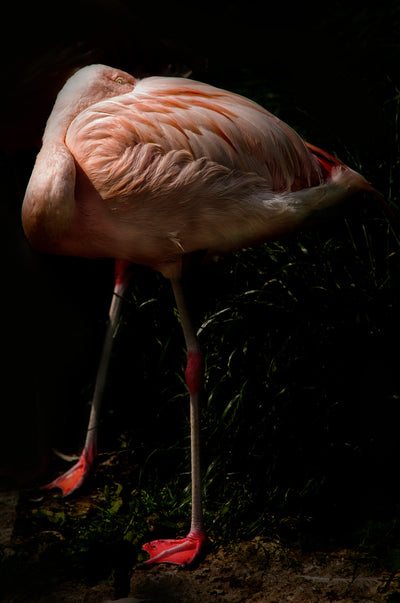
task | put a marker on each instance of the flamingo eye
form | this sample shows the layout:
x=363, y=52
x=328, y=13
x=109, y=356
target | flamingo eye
x=120, y=80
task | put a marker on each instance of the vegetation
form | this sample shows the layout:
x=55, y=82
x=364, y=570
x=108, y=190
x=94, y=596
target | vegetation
x=299, y=417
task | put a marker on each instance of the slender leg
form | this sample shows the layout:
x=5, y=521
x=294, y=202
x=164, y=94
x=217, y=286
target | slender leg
x=73, y=479
x=187, y=550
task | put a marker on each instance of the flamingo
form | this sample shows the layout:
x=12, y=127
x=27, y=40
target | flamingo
x=150, y=171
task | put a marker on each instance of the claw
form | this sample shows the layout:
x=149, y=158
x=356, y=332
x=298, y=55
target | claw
x=69, y=458
x=182, y=551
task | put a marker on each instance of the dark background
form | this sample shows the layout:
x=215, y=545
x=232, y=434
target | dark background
x=302, y=372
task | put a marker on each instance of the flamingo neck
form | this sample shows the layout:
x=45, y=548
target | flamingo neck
x=58, y=123
x=49, y=202
x=67, y=106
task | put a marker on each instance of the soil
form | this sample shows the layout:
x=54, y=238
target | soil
x=261, y=572
x=246, y=572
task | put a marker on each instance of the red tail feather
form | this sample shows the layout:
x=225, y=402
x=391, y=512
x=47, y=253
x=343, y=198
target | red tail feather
x=326, y=161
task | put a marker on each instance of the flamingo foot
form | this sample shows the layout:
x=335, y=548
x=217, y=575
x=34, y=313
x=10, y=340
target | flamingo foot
x=72, y=480
x=183, y=551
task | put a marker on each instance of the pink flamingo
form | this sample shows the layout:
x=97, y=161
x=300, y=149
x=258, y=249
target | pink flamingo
x=149, y=171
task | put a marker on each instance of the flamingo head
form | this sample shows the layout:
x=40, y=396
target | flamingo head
x=84, y=88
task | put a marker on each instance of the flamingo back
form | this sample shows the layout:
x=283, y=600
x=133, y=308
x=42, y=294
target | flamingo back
x=180, y=114
x=177, y=166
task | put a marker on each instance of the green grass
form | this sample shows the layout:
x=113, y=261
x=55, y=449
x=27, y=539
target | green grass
x=298, y=339
x=300, y=414
x=299, y=418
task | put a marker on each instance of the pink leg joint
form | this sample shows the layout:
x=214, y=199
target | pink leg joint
x=194, y=371
x=122, y=271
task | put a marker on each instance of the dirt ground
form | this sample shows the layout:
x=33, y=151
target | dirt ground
x=248, y=572
x=265, y=572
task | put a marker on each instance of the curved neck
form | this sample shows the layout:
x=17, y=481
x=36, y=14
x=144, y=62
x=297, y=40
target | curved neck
x=59, y=120
x=49, y=202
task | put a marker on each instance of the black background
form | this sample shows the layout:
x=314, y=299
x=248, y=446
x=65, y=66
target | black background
x=331, y=71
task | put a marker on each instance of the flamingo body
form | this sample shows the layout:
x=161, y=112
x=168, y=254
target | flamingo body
x=150, y=171
x=169, y=167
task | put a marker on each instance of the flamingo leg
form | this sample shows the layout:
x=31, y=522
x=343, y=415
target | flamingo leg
x=73, y=479
x=187, y=550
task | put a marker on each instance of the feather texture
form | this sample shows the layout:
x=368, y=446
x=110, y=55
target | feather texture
x=175, y=114
x=170, y=166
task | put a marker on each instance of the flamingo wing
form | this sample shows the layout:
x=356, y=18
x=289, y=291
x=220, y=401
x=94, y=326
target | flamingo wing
x=178, y=165
x=178, y=114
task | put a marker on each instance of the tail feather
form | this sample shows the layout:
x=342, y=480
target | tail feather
x=326, y=161
x=329, y=164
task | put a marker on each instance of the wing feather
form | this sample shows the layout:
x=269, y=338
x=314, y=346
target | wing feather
x=178, y=114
